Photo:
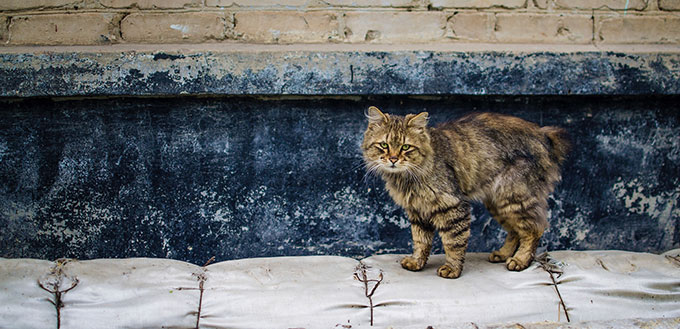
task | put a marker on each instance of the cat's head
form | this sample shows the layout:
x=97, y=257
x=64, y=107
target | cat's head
x=396, y=144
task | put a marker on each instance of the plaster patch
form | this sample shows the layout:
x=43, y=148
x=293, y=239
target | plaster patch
x=180, y=27
x=94, y=219
x=637, y=200
x=662, y=207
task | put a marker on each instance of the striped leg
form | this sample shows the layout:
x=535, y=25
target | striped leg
x=454, y=230
x=422, y=243
x=528, y=242
x=509, y=247
x=525, y=222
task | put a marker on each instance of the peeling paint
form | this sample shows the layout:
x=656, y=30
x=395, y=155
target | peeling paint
x=633, y=194
x=638, y=199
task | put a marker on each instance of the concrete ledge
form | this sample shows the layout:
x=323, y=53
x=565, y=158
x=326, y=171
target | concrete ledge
x=237, y=69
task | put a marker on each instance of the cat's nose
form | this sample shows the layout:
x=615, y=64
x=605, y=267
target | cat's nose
x=393, y=159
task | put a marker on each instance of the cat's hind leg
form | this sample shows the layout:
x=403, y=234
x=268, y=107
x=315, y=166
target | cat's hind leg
x=528, y=221
x=517, y=199
x=507, y=250
x=528, y=242
x=511, y=240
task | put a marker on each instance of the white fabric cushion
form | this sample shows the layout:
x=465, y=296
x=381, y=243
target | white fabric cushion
x=323, y=292
x=485, y=292
x=608, y=285
x=282, y=292
x=23, y=304
x=131, y=293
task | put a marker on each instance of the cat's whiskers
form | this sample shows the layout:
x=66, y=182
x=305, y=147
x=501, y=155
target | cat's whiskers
x=371, y=169
x=415, y=173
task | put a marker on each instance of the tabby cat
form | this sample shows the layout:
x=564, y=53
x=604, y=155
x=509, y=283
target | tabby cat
x=508, y=164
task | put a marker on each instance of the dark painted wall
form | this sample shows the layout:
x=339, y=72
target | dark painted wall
x=452, y=70
x=234, y=177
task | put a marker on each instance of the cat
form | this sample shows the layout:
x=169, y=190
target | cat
x=434, y=173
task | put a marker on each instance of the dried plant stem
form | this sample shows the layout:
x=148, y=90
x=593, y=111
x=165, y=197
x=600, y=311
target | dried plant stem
x=201, y=280
x=53, y=288
x=362, y=276
x=552, y=269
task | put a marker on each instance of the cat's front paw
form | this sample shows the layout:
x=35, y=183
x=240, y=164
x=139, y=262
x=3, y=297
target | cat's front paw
x=516, y=264
x=412, y=264
x=449, y=272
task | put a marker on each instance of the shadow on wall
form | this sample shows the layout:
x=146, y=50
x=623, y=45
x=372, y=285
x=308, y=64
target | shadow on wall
x=236, y=177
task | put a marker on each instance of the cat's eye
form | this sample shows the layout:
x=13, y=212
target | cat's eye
x=383, y=145
x=405, y=147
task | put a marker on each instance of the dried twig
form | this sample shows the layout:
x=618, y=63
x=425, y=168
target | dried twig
x=601, y=263
x=553, y=268
x=362, y=276
x=201, y=277
x=201, y=280
x=212, y=259
x=675, y=259
x=52, y=284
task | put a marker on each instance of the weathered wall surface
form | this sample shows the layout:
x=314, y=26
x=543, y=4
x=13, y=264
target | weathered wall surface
x=235, y=176
x=340, y=70
x=189, y=178
x=104, y=22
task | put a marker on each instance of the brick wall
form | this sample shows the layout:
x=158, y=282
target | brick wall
x=101, y=22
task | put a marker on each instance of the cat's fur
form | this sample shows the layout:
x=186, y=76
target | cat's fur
x=508, y=164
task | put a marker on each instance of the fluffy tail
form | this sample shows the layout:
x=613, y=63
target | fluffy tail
x=559, y=140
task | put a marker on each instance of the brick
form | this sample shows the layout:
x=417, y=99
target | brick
x=307, y=3
x=471, y=26
x=33, y=4
x=543, y=28
x=669, y=4
x=257, y=3
x=395, y=27
x=478, y=3
x=175, y=27
x=638, y=29
x=64, y=29
x=150, y=4
x=286, y=26
x=3, y=28
x=602, y=4
x=373, y=3
x=542, y=4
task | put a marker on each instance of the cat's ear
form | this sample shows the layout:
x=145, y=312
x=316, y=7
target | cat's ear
x=417, y=120
x=374, y=115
